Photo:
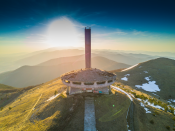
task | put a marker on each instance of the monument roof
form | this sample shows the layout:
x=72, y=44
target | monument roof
x=88, y=75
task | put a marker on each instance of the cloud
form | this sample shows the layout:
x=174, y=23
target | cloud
x=117, y=32
x=142, y=33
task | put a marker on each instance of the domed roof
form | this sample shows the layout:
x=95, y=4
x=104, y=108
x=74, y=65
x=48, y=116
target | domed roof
x=88, y=75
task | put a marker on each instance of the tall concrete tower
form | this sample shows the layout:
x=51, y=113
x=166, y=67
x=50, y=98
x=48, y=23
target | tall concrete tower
x=88, y=80
x=88, y=47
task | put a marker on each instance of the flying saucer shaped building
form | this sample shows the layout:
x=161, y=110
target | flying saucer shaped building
x=88, y=79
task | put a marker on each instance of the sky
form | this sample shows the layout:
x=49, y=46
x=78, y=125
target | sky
x=143, y=25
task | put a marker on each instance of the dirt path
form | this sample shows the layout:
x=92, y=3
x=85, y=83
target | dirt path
x=22, y=124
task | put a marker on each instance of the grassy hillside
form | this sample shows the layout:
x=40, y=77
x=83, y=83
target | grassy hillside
x=160, y=70
x=156, y=119
x=2, y=87
x=31, y=111
x=20, y=115
x=33, y=75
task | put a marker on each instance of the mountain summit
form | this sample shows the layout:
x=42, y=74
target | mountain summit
x=155, y=76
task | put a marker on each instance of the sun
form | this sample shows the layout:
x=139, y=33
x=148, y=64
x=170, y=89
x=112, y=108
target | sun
x=62, y=32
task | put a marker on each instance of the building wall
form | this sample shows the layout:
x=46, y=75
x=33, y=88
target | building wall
x=104, y=90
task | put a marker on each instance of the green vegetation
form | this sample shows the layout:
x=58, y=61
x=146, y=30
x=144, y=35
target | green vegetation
x=133, y=94
x=151, y=121
x=152, y=100
x=156, y=112
x=173, y=118
x=1, y=108
x=10, y=108
x=62, y=95
x=141, y=97
x=171, y=109
x=168, y=127
x=55, y=92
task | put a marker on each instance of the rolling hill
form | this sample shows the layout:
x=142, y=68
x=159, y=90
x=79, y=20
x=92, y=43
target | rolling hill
x=2, y=87
x=156, y=77
x=33, y=75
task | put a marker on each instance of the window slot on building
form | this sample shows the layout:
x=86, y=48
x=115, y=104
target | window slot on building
x=102, y=82
x=109, y=81
x=88, y=83
x=77, y=83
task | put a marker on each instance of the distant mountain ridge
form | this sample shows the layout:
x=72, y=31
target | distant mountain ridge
x=14, y=61
x=33, y=75
x=127, y=58
x=44, y=56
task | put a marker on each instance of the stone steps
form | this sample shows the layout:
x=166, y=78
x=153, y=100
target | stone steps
x=89, y=115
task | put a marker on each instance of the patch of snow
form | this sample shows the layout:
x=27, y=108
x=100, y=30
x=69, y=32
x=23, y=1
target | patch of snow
x=146, y=109
x=152, y=105
x=155, y=94
x=139, y=99
x=150, y=86
x=124, y=79
x=53, y=97
x=129, y=68
x=128, y=126
x=127, y=75
x=145, y=71
x=147, y=78
x=156, y=106
x=170, y=100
